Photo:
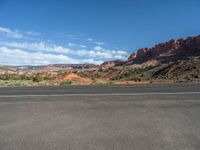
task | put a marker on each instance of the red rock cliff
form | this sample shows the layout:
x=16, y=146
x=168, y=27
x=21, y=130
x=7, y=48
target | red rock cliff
x=172, y=50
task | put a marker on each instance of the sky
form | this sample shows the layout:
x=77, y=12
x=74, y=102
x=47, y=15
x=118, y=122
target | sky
x=42, y=32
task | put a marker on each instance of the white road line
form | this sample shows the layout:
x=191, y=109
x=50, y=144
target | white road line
x=106, y=94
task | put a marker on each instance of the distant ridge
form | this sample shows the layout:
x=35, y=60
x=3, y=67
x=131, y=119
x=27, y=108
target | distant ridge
x=164, y=52
x=169, y=51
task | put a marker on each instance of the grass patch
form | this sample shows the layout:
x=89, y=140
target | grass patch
x=66, y=83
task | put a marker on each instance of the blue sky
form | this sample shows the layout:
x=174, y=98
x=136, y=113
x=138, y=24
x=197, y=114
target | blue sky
x=39, y=32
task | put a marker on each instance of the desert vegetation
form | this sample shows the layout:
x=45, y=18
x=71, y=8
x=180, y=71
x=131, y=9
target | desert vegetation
x=173, y=61
x=66, y=83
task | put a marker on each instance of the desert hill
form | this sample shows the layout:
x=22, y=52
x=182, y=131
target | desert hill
x=173, y=50
x=169, y=51
x=176, y=60
x=172, y=61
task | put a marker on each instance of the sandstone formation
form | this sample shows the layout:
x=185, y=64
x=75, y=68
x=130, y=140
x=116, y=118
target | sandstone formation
x=169, y=51
x=114, y=63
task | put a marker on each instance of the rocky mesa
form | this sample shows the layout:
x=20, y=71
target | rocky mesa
x=170, y=51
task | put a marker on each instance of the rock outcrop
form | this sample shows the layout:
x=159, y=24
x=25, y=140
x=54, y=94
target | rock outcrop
x=169, y=51
x=114, y=63
x=132, y=57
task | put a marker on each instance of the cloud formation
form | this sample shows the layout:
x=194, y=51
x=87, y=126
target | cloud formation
x=36, y=52
x=10, y=33
x=11, y=56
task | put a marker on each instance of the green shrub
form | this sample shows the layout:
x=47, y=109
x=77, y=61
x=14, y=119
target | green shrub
x=66, y=83
x=136, y=78
x=81, y=74
x=13, y=77
x=37, y=79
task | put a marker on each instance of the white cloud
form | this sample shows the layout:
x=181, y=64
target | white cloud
x=90, y=39
x=93, y=41
x=97, y=52
x=19, y=57
x=103, y=54
x=32, y=33
x=71, y=44
x=28, y=51
x=76, y=45
x=99, y=43
x=4, y=29
x=119, y=57
x=37, y=46
x=82, y=46
x=98, y=48
x=11, y=33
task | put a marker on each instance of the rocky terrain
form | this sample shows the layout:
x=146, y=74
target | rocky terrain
x=169, y=51
x=185, y=70
x=173, y=61
x=176, y=60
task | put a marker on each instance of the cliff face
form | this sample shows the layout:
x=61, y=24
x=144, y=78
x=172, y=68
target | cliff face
x=114, y=63
x=132, y=57
x=169, y=51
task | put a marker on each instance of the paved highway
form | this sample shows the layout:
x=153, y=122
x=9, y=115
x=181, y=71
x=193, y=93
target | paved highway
x=142, y=117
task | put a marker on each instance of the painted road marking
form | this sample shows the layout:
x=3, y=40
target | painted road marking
x=106, y=94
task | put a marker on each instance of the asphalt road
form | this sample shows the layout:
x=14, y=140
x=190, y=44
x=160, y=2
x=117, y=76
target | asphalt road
x=143, y=117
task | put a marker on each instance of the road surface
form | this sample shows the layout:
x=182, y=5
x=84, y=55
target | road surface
x=143, y=117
